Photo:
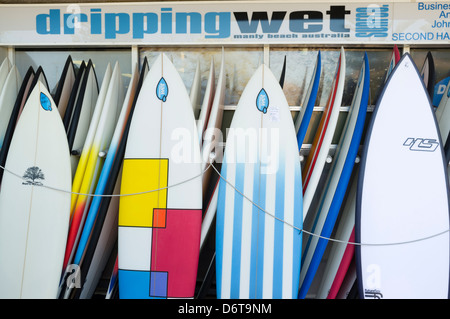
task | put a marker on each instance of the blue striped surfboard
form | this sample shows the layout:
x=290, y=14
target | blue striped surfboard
x=259, y=213
x=337, y=181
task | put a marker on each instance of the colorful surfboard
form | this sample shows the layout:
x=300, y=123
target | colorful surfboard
x=100, y=143
x=259, y=213
x=105, y=227
x=159, y=229
x=337, y=180
x=35, y=202
x=315, y=161
x=402, y=222
x=100, y=185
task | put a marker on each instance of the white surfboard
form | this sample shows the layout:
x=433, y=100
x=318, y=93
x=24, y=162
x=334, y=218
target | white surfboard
x=8, y=98
x=35, y=202
x=196, y=90
x=212, y=133
x=159, y=231
x=208, y=98
x=4, y=71
x=259, y=213
x=402, y=208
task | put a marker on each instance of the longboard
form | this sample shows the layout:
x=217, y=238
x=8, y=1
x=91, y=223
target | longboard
x=402, y=223
x=34, y=206
x=159, y=230
x=258, y=242
x=337, y=180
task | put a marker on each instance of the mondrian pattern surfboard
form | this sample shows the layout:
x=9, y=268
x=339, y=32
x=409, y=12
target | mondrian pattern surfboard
x=160, y=209
x=259, y=213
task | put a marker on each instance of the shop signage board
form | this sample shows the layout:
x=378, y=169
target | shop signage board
x=226, y=22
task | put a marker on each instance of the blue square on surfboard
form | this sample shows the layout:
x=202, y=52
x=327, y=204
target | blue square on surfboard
x=135, y=284
x=158, y=284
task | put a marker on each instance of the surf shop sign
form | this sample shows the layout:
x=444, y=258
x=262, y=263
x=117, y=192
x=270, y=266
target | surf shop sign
x=225, y=23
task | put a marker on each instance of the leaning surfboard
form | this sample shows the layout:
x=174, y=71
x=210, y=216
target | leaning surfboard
x=259, y=213
x=402, y=208
x=337, y=181
x=159, y=229
x=34, y=209
x=315, y=162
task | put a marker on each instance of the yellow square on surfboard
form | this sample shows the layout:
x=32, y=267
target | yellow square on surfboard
x=142, y=176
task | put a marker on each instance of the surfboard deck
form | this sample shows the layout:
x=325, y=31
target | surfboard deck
x=258, y=243
x=166, y=222
x=34, y=209
x=410, y=204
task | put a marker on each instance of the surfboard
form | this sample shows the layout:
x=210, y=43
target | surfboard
x=317, y=156
x=337, y=180
x=39, y=77
x=8, y=96
x=100, y=143
x=428, y=74
x=4, y=71
x=159, y=230
x=82, y=115
x=258, y=242
x=212, y=134
x=196, y=90
x=72, y=100
x=81, y=167
x=341, y=255
x=104, y=230
x=402, y=223
x=112, y=286
x=35, y=202
x=64, y=87
x=283, y=73
x=208, y=99
x=304, y=116
x=100, y=185
x=20, y=100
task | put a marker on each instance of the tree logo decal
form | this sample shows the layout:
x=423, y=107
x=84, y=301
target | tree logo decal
x=32, y=176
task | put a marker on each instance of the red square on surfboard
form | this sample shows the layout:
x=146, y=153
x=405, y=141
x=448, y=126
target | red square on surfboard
x=175, y=250
x=159, y=218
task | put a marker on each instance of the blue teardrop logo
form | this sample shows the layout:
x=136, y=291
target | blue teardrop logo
x=45, y=102
x=262, y=101
x=162, y=90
